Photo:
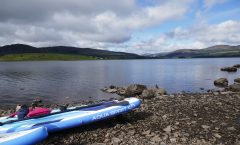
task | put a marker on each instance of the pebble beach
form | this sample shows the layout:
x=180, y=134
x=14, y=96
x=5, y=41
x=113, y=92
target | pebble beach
x=183, y=118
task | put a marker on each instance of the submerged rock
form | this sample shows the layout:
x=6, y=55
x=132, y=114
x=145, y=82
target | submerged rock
x=112, y=87
x=237, y=65
x=229, y=69
x=237, y=80
x=234, y=87
x=221, y=82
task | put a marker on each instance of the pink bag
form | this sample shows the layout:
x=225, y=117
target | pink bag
x=38, y=111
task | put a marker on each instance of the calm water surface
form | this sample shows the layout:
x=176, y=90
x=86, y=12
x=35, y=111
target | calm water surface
x=66, y=81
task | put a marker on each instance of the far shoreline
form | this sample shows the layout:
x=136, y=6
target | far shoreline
x=75, y=57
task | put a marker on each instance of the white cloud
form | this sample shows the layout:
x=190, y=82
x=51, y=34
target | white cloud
x=208, y=4
x=227, y=32
x=108, y=24
x=98, y=23
x=197, y=37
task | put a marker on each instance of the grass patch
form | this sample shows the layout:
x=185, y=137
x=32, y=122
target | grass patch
x=44, y=56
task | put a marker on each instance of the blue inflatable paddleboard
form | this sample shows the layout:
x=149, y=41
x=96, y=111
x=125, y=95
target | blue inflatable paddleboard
x=73, y=117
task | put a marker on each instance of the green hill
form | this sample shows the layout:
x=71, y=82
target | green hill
x=67, y=50
x=210, y=52
x=44, y=56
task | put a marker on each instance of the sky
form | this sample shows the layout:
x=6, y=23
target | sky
x=134, y=26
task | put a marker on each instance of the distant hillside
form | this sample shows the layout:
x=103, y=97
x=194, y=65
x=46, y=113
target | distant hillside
x=43, y=56
x=23, y=49
x=210, y=52
x=28, y=52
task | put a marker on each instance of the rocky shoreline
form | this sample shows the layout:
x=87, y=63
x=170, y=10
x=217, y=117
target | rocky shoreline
x=208, y=118
x=183, y=118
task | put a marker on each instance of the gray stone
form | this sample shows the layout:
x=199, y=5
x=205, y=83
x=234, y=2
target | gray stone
x=237, y=80
x=164, y=117
x=135, y=89
x=160, y=97
x=96, y=143
x=222, y=82
x=112, y=87
x=111, y=90
x=234, y=87
x=131, y=132
x=156, y=139
x=163, y=143
x=148, y=94
x=107, y=135
x=223, y=124
x=193, y=122
x=121, y=91
x=217, y=135
x=231, y=128
x=229, y=69
x=168, y=129
x=176, y=134
x=225, y=93
x=237, y=65
x=205, y=126
x=213, y=121
x=116, y=141
x=177, y=123
x=165, y=137
x=155, y=118
x=183, y=139
x=173, y=140
x=160, y=91
x=152, y=93
x=146, y=132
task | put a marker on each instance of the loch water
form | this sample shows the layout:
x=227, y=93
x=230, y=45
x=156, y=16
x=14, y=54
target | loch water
x=68, y=81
